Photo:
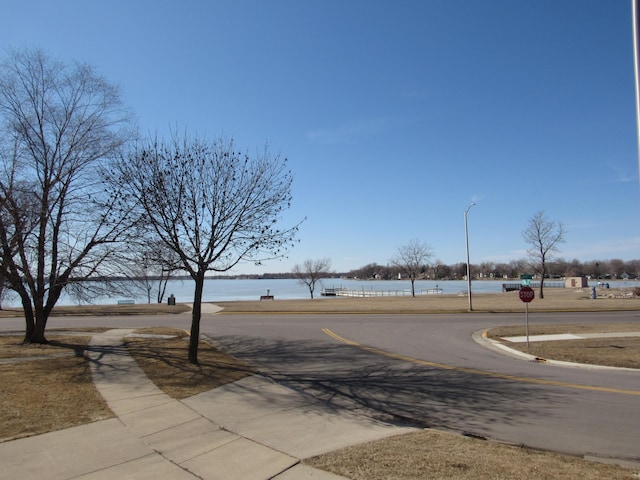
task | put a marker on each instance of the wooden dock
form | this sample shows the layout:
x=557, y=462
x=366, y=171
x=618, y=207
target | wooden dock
x=511, y=287
x=362, y=293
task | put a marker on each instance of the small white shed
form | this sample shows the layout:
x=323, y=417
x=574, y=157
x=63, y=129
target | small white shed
x=576, y=282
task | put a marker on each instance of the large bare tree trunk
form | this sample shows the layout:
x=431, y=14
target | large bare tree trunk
x=38, y=332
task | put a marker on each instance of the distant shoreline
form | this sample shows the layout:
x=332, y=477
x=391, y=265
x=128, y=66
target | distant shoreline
x=289, y=276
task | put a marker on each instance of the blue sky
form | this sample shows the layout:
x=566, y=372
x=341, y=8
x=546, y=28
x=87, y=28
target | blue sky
x=395, y=116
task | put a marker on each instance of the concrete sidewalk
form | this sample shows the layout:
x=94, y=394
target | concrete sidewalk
x=251, y=429
x=569, y=336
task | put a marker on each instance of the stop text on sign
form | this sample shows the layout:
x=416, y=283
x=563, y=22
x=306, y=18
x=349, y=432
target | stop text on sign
x=527, y=294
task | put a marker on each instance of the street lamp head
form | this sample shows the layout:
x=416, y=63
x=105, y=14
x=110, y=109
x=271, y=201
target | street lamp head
x=469, y=208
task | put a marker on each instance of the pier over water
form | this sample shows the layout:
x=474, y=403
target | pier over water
x=362, y=293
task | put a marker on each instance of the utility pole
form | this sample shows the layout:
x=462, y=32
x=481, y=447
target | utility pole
x=635, y=6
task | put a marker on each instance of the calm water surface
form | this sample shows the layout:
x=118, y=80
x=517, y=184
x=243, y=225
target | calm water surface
x=234, y=290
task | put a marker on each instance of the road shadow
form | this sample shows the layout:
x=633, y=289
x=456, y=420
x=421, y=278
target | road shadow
x=343, y=376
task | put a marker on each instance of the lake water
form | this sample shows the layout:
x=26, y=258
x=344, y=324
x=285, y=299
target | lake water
x=240, y=289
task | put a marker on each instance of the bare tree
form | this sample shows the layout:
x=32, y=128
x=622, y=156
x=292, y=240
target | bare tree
x=166, y=262
x=543, y=237
x=311, y=271
x=58, y=123
x=149, y=265
x=210, y=204
x=412, y=260
x=616, y=267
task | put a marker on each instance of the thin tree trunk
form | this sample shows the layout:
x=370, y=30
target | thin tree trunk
x=195, y=318
x=162, y=286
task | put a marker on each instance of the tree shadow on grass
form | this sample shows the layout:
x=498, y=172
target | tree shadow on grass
x=165, y=362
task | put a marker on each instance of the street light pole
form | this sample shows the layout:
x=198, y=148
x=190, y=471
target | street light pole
x=466, y=234
x=635, y=6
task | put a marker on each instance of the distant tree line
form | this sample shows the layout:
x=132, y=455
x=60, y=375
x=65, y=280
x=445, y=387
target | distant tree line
x=597, y=269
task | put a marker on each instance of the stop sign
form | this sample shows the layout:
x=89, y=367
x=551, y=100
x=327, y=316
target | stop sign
x=527, y=294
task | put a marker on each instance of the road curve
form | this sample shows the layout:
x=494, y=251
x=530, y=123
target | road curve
x=428, y=369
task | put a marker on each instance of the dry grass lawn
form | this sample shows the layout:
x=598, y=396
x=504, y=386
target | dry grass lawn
x=52, y=392
x=106, y=310
x=49, y=387
x=435, y=455
x=555, y=300
x=615, y=352
x=165, y=363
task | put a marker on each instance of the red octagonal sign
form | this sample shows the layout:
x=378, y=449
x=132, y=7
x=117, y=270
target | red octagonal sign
x=527, y=294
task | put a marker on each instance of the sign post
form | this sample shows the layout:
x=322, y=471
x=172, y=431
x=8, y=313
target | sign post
x=526, y=295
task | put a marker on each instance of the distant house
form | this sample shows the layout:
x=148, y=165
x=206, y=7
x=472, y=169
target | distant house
x=576, y=282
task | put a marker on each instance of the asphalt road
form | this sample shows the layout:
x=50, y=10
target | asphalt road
x=428, y=370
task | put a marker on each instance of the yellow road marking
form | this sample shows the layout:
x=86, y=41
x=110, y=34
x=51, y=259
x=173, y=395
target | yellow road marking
x=474, y=371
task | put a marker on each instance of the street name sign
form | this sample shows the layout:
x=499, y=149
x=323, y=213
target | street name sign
x=526, y=279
